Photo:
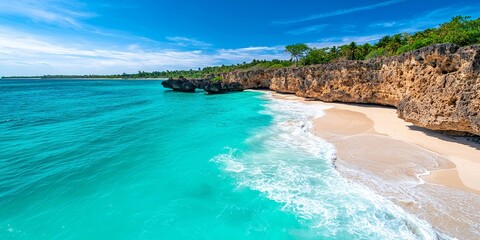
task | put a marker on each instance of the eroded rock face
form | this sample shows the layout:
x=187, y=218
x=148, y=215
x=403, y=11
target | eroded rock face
x=220, y=87
x=184, y=85
x=190, y=85
x=436, y=87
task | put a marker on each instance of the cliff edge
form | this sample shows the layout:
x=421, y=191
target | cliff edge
x=435, y=87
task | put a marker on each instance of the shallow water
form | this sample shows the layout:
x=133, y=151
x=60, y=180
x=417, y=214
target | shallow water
x=131, y=160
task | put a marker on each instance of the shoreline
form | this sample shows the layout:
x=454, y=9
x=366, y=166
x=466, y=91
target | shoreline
x=345, y=120
x=422, y=171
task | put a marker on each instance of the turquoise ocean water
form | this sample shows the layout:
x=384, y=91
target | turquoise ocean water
x=131, y=160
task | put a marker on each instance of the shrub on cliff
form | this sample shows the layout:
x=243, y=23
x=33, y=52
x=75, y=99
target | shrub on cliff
x=376, y=53
x=460, y=31
x=217, y=79
x=318, y=56
x=277, y=66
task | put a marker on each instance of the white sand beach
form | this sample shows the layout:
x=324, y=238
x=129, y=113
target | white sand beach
x=434, y=176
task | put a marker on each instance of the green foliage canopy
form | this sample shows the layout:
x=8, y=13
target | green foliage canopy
x=460, y=30
x=297, y=51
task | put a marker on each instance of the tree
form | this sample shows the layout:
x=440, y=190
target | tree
x=350, y=50
x=297, y=51
x=363, y=51
x=396, y=41
x=317, y=56
x=460, y=30
x=383, y=42
x=379, y=52
x=335, y=51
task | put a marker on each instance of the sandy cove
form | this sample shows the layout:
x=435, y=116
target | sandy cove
x=431, y=175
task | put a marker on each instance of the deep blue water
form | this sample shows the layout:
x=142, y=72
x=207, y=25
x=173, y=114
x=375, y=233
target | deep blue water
x=130, y=160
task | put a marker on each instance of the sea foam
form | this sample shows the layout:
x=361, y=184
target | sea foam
x=290, y=165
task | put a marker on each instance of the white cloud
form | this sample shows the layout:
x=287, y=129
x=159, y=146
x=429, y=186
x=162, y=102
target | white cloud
x=251, y=49
x=362, y=39
x=337, y=13
x=247, y=54
x=427, y=19
x=47, y=11
x=309, y=29
x=329, y=42
x=384, y=24
x=24, y=53
x=188, y=42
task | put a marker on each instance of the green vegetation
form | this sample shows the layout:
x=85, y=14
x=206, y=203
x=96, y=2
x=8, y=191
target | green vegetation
x=318, y=56
x=460, y=30
x=297, y=51
x=217, y=79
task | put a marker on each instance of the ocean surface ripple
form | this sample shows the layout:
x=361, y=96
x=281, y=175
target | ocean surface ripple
x=130, y=160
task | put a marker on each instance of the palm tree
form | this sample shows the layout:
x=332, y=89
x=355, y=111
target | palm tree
x=352, y=48
x=334, y=51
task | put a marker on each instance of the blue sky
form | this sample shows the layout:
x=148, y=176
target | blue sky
x=114, y=36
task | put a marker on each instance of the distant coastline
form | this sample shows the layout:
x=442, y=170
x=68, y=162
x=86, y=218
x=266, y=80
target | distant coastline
x=81, y=78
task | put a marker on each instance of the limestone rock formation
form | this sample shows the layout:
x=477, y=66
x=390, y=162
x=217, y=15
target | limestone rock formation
x=436, y=87
x=220, y=87
x=184, y=85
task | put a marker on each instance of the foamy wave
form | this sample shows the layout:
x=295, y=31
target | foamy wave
x=420, y=175
x=291, y=166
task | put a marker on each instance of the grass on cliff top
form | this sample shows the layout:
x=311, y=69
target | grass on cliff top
x=216, y=79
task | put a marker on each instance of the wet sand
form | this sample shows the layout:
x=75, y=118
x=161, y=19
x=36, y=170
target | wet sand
x=458, y=160
x=431, y=175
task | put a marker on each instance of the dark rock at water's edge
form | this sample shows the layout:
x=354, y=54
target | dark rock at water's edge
x=184, y=85
x=220, y=87
x=179, y=85
x=189, y=85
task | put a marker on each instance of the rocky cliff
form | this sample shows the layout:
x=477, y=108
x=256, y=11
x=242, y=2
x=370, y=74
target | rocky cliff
x=436, y=87
x=184, y=85
x=222, y=87
x=211, y=87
